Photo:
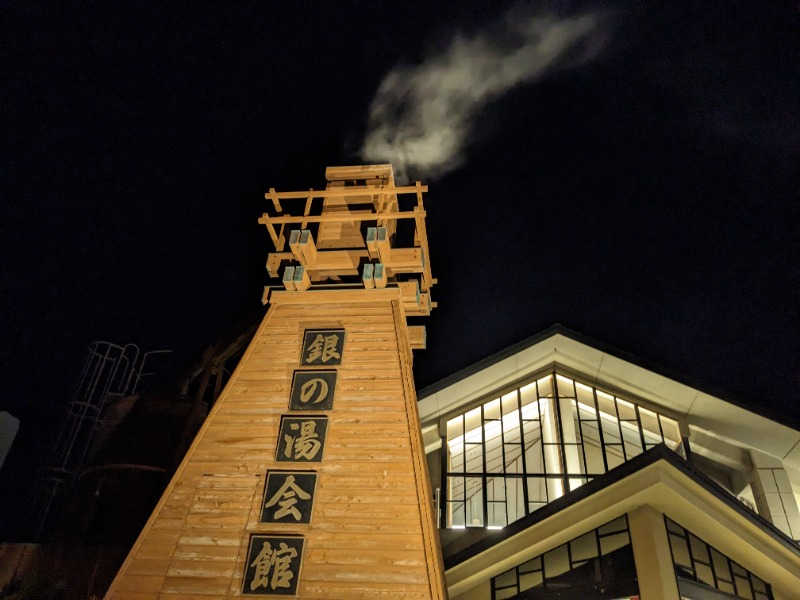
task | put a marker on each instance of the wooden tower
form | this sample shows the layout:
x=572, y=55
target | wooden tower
x=308, y=478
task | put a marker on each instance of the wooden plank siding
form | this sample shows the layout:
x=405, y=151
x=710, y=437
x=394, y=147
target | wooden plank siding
x=372, y=532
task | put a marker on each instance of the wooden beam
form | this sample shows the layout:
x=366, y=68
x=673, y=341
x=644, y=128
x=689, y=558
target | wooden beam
x=294, y=245
x=368, y=276
x=306, y=211
x=380, y=276
x=328, y=261
x=301, y=279
x=372, y=241
x=422, y=236
x=288, y=279
x=281, y=238
x=406, y=260
x=335, y=296
x=359, y=172
x=273, y=195
x=410, y=290
x=274, y=260
x=307, y=248
x=418, y=337
x=272, y=234
x=382, y=244
x=343, y=261
x=351, y=190
x=422, y=308
x=265, y=219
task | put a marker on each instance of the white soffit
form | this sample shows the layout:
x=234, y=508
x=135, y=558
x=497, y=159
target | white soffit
x=717, y=417
x=669, y=491
x=728, y=421
x=655, y=388
x=487, y=381
x=793, y=456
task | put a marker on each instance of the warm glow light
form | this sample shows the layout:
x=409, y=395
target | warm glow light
x=605, y=396
x=625, y=403
x=543, y=412
x=563, y=379
x=491, y=429
x=510, y=421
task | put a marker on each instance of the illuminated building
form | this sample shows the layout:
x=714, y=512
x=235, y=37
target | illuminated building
x=556, y=469
x=565, y=470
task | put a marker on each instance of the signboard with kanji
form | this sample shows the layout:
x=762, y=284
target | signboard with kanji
x=301, y=439
x=312, y=390
x=322, y=347
x=288, y=497
x=273, y=565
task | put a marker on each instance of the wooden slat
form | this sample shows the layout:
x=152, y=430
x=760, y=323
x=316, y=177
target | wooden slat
x=367, y=534
x=195, y=584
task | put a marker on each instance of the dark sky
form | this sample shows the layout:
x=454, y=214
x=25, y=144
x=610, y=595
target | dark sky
x=643, y=194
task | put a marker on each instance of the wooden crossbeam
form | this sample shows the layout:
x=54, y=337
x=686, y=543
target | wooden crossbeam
x=342, y=217
x=352, y=190
x=273, y=195
x=301, y=279
x=307, y=248
x=360, y=172
x=339, y=250
x=368, y=276
x=417, y=337
x=380, y=275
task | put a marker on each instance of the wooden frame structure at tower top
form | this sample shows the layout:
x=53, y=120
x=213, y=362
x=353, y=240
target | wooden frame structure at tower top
x=362, y=231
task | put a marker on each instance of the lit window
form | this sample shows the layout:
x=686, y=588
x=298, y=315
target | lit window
x=517, y=452
x=699, y=567
x=601, y=559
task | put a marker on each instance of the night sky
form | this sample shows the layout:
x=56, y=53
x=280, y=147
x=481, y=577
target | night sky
x=641, y=189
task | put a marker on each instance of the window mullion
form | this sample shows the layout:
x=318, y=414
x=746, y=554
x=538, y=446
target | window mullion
x=522, y=446
x=600, y=429
x=541, y=443
x=560, y=433
x=485, y=494
x=621, y=435
x=640, y=426
x=582, y=448
x=444, y=482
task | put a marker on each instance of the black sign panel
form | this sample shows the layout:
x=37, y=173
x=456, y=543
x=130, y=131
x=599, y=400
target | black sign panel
x=313, y=390
x=322, y=347
x=273, y=565
x=301, y=439
x=288, y=497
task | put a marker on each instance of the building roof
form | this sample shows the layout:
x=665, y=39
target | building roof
x=658, y=478
x=708, y=415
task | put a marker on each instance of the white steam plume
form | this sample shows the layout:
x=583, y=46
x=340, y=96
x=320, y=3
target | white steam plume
x=420, y=118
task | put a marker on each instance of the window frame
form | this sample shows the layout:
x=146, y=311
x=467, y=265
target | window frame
x=552, y=482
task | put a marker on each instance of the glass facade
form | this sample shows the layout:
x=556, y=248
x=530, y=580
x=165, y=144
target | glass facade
x=699, y=567
x=598, y=564
x=515, y=453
